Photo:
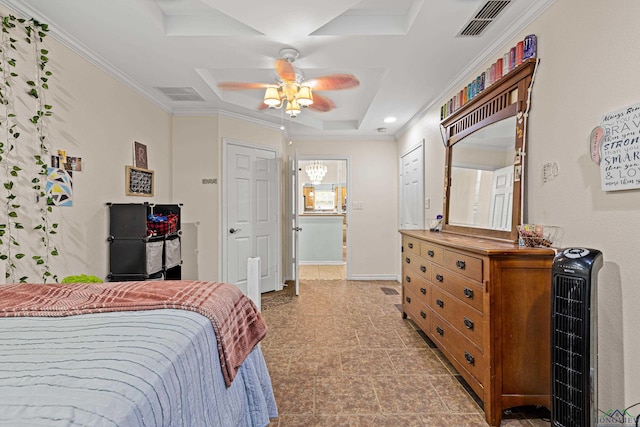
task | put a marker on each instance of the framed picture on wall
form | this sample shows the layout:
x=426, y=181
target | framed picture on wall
x=140, y=155
x=138, y=182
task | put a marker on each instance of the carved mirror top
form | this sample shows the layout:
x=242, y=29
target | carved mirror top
x=483, y=168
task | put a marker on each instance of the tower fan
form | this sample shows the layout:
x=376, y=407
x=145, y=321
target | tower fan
x=574, y=338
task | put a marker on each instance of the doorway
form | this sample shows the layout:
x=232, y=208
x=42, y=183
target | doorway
x=323, y=191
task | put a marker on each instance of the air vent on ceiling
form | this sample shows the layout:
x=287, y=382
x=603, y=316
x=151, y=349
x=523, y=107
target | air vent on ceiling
x=488, y=12
x=181, y=93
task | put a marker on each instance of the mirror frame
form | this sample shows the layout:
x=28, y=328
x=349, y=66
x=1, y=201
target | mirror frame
x=505, y=98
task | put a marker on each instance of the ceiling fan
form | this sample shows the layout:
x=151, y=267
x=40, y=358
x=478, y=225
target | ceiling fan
x=292, y=91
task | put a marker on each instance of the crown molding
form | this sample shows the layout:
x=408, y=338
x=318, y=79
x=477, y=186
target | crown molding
x=324, y=138
x=483, y=57
x=218, y=112
x=67, y=40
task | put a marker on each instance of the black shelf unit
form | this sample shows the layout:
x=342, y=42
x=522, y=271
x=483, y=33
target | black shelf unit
x=135, y=252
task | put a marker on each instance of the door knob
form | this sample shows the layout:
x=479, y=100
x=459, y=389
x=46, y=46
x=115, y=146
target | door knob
x=297, y=228
x=234, y=230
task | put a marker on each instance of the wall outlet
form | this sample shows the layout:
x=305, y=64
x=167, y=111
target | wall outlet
x=358, y=206
x=427, y=203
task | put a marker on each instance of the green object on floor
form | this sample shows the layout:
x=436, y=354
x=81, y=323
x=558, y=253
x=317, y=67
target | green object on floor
x=81, y=278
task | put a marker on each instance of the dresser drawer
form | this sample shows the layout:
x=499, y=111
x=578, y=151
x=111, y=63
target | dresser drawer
x=465, y=352
x=418, y=264
x=465, y=290
x=417, y=284
x=464, y=318
x=431, y=252
x=466, y=265
x=411, y=245
x=417, y=311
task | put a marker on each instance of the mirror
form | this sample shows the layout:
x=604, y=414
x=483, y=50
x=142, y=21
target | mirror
x=481, y=180
x=483, y=183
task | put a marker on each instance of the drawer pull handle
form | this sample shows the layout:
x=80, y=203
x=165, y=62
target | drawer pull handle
x=423, y=291
x=423, y=314
x=468, y=293
x=469, y=358
x=439, y=330
x=410, y=246
x=408, y=279
x=439, y=278
x=431, y=253
x=460, y=264
x=423, y=268
x=408, y=260
x=440, y=303
x=408, y=300
x=468, y=324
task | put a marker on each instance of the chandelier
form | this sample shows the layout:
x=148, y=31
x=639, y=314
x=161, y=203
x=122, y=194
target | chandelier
x=316, y=170
x=295, y=95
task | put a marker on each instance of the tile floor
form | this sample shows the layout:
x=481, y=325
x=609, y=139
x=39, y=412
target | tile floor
x=341, y=355
x=323, y=272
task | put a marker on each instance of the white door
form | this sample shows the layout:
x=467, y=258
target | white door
x=295, y=228
x=251, y=215
x=412, y=189
x=501, y=199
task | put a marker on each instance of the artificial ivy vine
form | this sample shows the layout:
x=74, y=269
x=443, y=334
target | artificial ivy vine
x=19, y=175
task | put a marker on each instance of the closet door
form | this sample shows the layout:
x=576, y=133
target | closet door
x=251, y=215
x=412, y=189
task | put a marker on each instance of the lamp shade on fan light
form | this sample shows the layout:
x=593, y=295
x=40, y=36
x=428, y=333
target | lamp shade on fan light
x=293, y=109
x=304, y=96
x=272, y=97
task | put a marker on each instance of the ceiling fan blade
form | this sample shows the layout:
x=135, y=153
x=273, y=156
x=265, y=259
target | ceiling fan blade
x=285, y=70
x=334, y=82
x=242, y=86
x=321, y=103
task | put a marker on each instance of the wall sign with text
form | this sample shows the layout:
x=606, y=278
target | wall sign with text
x=620, y=149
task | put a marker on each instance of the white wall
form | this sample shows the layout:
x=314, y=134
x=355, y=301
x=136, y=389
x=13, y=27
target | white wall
x=98, y=119
x=374, y=183
x=589, y=66
x=195, y=153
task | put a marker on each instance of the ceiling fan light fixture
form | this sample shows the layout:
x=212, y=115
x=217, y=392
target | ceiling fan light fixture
x=305, y=98
x=293, y=109
x=272, y=97
x=290, y=90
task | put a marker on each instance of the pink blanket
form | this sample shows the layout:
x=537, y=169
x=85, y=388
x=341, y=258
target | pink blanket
x=238, y=324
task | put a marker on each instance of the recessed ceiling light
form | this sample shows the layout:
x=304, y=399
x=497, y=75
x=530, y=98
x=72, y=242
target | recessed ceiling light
x=382, y=130
x=390, y=120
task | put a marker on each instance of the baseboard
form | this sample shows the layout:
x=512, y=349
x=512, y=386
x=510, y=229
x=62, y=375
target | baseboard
x=374, y=277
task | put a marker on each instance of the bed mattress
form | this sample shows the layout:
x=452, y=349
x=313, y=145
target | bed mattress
x=146, y=368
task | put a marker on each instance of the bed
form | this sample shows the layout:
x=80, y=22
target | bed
x=174, y=353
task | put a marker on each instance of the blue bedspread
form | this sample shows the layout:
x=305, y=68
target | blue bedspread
x=148, y=368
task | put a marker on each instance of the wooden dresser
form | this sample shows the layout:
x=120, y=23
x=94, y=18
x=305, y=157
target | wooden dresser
x=486, y=305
